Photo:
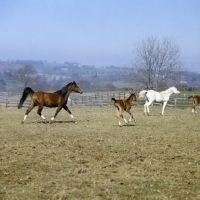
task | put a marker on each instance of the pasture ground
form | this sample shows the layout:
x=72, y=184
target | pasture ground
x=93, y=158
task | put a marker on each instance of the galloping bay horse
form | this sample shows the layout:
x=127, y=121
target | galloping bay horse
x=124, y=105
x=57, y=99
x=196, y=101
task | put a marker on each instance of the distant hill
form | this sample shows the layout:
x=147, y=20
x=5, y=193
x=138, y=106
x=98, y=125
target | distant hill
x=92, y=74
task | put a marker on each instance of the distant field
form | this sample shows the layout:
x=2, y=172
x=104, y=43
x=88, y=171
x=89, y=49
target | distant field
x=195, y=92
x=93, y=158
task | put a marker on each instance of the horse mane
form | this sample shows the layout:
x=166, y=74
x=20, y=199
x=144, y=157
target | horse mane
x=169, y=89
x=64, y=90
x=130, y=98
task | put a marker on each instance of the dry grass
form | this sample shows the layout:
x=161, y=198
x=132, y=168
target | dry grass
x=93, y=158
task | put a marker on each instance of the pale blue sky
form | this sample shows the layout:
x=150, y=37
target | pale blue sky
x=96, y=32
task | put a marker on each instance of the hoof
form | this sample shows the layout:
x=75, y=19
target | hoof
x=22, y=122
x=135, y=121
x=120, y=124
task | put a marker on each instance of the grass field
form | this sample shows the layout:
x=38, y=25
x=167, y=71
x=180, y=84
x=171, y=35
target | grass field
x=94, y=158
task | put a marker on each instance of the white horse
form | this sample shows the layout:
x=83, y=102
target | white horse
x=152, y=96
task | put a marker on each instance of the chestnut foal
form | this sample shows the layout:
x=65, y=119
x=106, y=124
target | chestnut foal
x=196, y=101
x=124, y=105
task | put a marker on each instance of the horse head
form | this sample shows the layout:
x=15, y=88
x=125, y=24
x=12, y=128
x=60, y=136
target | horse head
x=174, y=90
x=132, y=95
x=76, y=88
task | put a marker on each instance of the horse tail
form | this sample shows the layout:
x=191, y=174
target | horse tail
x=113, y=99
x=27, y=92
x=190, y=97
x=146, y=96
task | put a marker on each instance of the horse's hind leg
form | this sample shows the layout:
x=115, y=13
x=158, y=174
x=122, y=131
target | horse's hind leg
x=145, y=111
x=194, y=109
x=28, y=111
x=121, y=115
x=194, y=106
x=117, y=109
x=39, y=112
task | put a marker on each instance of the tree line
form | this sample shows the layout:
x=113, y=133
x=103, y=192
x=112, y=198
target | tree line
x=155, y=65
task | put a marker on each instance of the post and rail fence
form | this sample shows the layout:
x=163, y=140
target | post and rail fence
x=10, y=99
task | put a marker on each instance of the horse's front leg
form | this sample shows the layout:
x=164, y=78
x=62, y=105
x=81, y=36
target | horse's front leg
x=119, y=112
x=67, y=109
x=57, y=111
x=163, y=108
x=148, y=111
x=146, y=108
x=131, y=116
x=39, y=112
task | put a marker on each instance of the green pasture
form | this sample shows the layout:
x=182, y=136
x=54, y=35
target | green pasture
x=94, y=158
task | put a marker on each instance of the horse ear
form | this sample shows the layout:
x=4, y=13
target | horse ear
x=130, y=90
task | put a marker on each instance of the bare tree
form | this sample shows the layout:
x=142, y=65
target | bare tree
x=25, y=74
x=155, y=63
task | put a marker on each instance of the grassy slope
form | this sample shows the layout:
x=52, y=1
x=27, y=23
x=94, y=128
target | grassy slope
x=157, y=158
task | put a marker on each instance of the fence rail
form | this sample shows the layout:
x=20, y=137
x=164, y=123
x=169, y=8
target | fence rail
x=98, y=99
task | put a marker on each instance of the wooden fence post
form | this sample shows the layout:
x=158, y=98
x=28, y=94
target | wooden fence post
x=7, y=102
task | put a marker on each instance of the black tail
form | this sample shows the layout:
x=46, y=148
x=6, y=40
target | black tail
x=190, y=97
x=27, y=92
x=146, y=96
x=113, y=99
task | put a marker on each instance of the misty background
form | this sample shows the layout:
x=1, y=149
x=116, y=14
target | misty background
x=98, y=34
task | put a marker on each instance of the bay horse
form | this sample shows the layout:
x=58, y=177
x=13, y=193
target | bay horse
x=196, y=101
x=56, y=99
x=152, y=96
x=124, y=105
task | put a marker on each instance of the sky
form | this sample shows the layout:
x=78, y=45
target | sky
x=96, y=32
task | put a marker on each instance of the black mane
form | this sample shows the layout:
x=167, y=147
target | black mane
x=64, y=90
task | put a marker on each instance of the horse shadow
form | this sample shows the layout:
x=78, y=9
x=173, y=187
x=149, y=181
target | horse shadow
x=126, y=125
x=54, y=122
x=129, y=125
